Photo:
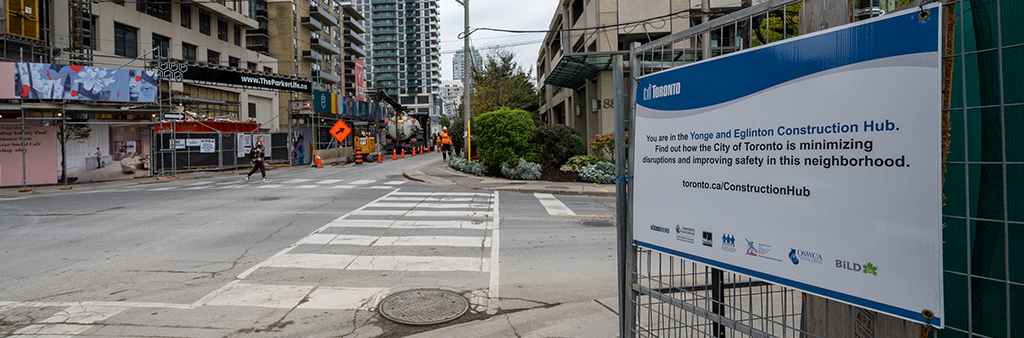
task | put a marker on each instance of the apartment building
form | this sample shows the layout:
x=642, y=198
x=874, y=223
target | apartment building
x=459, y=62
x=574, y=65
x=406, y=52
x=451, y=95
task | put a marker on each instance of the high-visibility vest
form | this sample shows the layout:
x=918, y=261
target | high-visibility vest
x=445, y=139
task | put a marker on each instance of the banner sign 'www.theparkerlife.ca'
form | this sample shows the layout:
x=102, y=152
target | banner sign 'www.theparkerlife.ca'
x=813, y=163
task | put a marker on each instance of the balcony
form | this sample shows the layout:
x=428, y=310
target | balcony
x=384, y=8
x=356, y=38
x=385, y=15
x=262, y=12
x=325, y=77
x=258, y=32
x=353, y=24
x=387, y=84
x=312, y=24
x=384, y=77
x=353, y=49
x=379, y=69
x=378, y=31
x=383, y=23
x=324, y=15
x=387, y=38
x=375, y=2
x=312, y=55
x=385, y=62
x=324, y=46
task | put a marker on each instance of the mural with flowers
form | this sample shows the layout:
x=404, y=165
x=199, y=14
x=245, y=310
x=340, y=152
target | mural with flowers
x=63, y=82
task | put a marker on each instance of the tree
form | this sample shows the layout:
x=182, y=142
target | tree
x=502, y=82
x=69, y=132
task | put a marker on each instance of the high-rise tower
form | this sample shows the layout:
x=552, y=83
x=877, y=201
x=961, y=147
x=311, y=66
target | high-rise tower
x=405, y=52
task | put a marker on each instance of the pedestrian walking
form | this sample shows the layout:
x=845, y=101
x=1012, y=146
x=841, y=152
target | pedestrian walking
x=446, y=143
x=99, y=158
x=257, y=154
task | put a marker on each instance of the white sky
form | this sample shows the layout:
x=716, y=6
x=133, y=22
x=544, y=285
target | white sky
x=516, y=14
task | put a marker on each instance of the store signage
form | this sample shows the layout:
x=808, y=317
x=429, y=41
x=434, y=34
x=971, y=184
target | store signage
x=813, y=163
x=244, y=79
x=47, y=81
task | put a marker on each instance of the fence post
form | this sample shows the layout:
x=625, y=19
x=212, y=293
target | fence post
x=624, y=242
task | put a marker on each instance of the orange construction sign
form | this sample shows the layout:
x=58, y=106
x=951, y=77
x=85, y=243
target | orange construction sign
x=340, y=130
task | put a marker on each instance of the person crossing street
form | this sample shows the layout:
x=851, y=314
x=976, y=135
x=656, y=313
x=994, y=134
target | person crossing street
x=446, y=143
x=258, y=154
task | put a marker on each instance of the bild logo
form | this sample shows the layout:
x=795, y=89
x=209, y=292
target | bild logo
x=870, y=268
x=707, y=239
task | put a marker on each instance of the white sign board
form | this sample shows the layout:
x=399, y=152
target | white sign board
x=192, y=142
x=207, y=145
x=808, y=163
x=179, y=143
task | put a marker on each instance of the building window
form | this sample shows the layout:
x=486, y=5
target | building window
x=188, y=52
x=186, y=16
x=212, y=57
x=222, y=29
x=238, y=36
x=119, y=2
x=233, y=61
x=250, y=65
x=157, y=8
x=252, y=110
x=268, y=70
x=125, y=41
x=162, y=45
x=204, y=22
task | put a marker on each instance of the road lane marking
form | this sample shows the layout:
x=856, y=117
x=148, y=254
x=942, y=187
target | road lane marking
x=343, y=298
x=432, y=205
x=343, y=186
x=553, y=205
x=361, y=182
x=379, y=263
x=262, y=295
x=307, y=186
x=328, y=182
x=298, y=180
x=492, y=292
x=267, y=186
x=394, y=183
x=415, y=213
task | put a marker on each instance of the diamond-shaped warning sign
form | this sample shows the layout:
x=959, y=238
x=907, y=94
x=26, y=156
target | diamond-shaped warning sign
x=340, y=130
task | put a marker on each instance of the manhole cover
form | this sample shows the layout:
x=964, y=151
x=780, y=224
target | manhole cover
x=597, y=224
x=264, y=199
x=423, y=307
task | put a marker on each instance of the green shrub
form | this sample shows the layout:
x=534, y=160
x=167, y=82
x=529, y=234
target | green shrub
x=523, y=171
x=602, y=173
x=475, y=168
x=578, y=162
x=503, y=135
x=558, y=143
x=472, y=168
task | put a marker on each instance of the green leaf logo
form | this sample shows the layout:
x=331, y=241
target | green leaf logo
x=871, y=269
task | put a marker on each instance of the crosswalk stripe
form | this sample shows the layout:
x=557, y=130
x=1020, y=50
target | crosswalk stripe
x=353, y=223
x=379, y=263
x=343, y=187
x=164, y=188
x=394, y=183
x=308, y=186
x=553, y=205
x=415, y=213
x=328, y=182
x=432, y=205
x=197, y=183
x=306, y=297
x=431, y=199
x=298, y=180
x=360, y=182
x=381, y=187
x=378, y=241
x=402, y=193
x=270, y=186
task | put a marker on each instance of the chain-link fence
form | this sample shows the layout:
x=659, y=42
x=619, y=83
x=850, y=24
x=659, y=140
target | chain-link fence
x=669, y=296
x=196, y=151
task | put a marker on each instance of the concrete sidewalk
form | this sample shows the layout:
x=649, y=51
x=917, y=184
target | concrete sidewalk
x=594, y=319
x=437, y=172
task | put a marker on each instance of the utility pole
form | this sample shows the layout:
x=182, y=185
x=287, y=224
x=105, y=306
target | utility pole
x=466, y=75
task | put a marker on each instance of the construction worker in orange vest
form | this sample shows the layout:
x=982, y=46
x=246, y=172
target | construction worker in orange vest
x=446, y=143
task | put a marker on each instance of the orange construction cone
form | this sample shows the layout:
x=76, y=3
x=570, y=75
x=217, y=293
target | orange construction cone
x=394, y=155
x=413, y=151
x=318, y=163
x=379, y=159
x=403, y=152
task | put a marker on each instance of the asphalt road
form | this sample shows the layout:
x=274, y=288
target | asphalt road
x=310, y=253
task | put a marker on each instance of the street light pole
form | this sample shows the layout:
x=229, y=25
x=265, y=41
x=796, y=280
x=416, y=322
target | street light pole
x=465, y=76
